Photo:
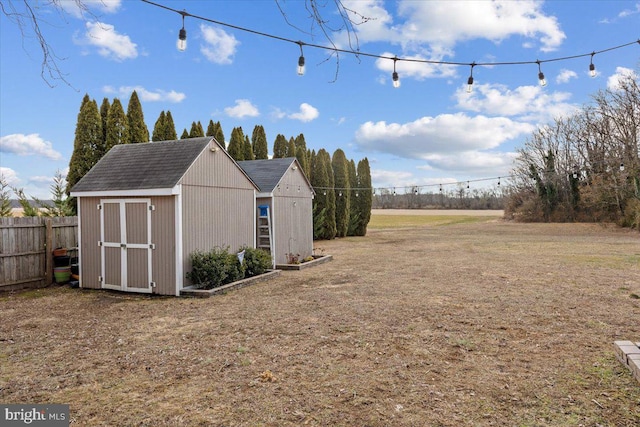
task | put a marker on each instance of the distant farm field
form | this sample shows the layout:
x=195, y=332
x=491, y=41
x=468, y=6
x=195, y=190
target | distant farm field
x=440, y=320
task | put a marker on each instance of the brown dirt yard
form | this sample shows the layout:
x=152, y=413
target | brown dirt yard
x=436, y=320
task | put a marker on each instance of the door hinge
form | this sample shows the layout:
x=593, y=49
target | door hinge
x=152, y=207
x=123, y=245
x=99, y=243
x=99, y=207
x=152, y=284
x=100, y=279
x=152, y=245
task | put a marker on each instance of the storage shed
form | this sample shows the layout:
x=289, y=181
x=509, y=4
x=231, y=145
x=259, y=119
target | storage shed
x=143, y=208
x=285, y=189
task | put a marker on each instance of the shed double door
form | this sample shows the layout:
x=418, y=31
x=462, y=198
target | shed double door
x=126, y=254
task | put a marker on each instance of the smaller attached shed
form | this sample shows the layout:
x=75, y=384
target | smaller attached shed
x=144, y=208
x=284, y=187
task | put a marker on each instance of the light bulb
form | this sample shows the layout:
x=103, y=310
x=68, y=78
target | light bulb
x=396, y=80
x=182, y=40
x=301, y=66
x=592, y=70
x=543, y=81
x=470, y=84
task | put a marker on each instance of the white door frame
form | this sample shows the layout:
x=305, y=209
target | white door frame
x=123, y=245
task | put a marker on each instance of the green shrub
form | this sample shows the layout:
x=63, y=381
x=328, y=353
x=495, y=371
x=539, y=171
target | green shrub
x=214, y=268
x=256, y=261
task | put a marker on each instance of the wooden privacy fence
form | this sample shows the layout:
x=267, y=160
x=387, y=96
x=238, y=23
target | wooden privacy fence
x=26, y=249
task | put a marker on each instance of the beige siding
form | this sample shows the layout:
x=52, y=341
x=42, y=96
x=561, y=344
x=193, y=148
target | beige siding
x=216, y=169
x=293, y=227
x=216, y=217
x=217, y=201
x=89, y=235
x=292, y=217
x=163, y=235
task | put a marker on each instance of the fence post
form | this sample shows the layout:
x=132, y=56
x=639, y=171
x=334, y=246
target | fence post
x=48, y=256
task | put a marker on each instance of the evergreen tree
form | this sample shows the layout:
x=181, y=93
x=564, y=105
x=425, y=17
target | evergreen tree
x=87, y=136
x=185, y=134
x=330, y=215
x=291, y=148
x=211, y=128
x=341, y=183
x=138, y=131
x=27, y=208
x=219, y=135
x=117, y=126
x=61, y=203
x=280, y=147
x=354, y=197
x=259, y=143
x=5, y=201
x=169, y=128
x=196, y=130
x=301, y=154
x=236, y=144
x=248, y=151
x=365, y=197
x=104, y=112
x=159, y=128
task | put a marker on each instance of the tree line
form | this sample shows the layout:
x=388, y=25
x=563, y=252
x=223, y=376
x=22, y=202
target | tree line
x=460, y=197
x=583, y=167
x=341, y=206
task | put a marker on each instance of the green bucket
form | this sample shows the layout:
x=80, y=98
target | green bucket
x=62, y=274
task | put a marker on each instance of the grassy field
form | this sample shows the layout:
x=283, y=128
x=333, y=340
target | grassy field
x=426, y=321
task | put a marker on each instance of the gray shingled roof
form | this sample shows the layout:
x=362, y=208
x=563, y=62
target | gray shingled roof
x=266, y=174
x=142, y=166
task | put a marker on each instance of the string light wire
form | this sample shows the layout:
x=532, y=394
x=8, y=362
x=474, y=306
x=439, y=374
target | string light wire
x=394, y=58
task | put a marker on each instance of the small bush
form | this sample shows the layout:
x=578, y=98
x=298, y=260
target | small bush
x=214, y=268
x=256, y=261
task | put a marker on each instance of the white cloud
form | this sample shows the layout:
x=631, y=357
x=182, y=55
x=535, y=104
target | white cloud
x=443, y=134
x=447, y=23
x=243, y=108
x=9, y=175
x=110, y=44
x=477, y=163
x=146, y=95
x=613, y=82
x=529, y=103
x=565, y=75
x=630, y=12
x=28, y=145
x=385, y=178
x=73, y=8
x=443, y=24
x=307, y=113
x=220, y=46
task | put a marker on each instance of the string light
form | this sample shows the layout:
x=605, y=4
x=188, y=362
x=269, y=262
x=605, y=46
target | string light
x=394, y=76
x=541, y=79
x=470, y=80
x=592, y=68
x=182, y=35
x=359, y=53
x=621, y=167
x=301, y=60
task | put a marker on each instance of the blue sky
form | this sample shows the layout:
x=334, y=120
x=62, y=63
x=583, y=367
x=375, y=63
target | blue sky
x=429, y=131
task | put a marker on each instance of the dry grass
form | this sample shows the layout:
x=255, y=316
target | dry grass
x=479, y=323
